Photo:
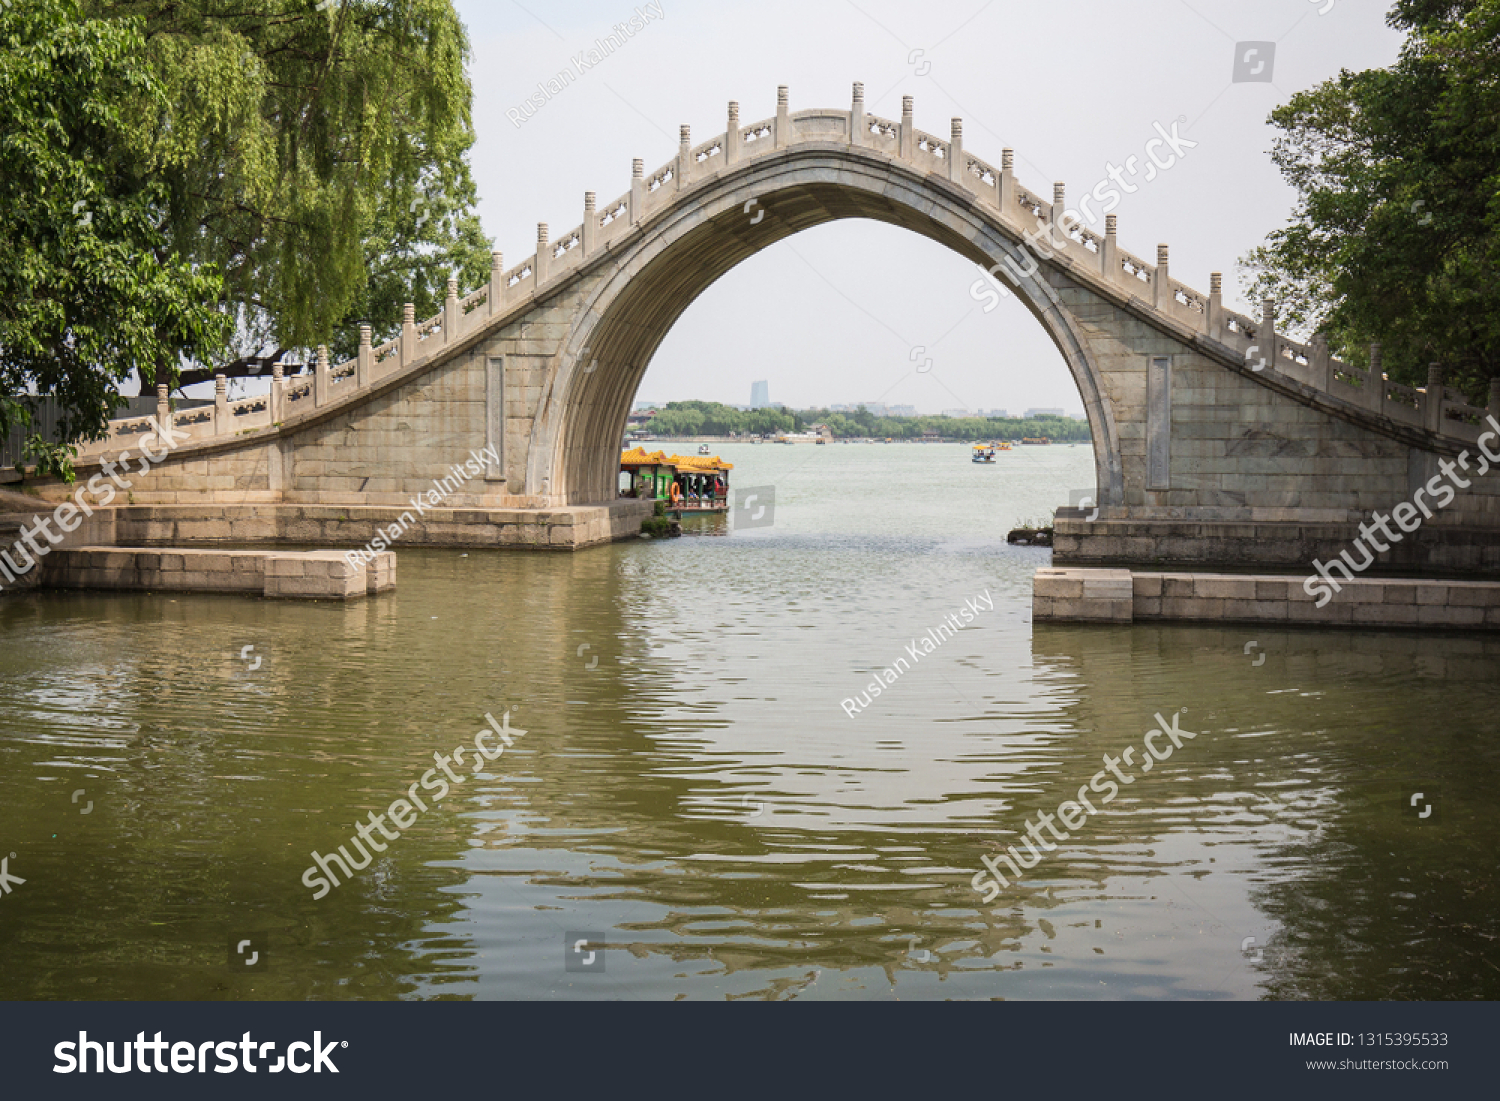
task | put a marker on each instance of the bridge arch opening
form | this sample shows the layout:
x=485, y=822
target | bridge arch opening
x=628, y=312
x=859, y=311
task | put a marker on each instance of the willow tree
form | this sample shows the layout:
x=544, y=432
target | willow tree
x=316, y=156
x=1396, y=234
x=90, y=290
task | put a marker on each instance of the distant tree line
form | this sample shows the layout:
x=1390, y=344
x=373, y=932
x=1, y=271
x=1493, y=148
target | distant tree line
x=709, y=418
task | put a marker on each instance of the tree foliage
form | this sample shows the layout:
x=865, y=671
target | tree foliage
x=317, y=155
x=1396, y=234
x=187, y=182
x=710, y=418
x=90, y=292
x=864, y=423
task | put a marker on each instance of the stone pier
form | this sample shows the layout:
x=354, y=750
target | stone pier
x=1082, y=595
x=305, y=575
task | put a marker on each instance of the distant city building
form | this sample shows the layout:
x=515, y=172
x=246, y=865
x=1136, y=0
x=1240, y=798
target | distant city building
x=1078, y=416
x=901, y=410
x=760, y=395
x=1044, y=413
x=641, y=406
x=956, y=413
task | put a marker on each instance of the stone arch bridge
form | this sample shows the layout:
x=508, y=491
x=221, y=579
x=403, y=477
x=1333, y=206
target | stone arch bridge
x=1217, y=439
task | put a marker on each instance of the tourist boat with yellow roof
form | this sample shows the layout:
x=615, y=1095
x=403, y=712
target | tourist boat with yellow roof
x=686, y=483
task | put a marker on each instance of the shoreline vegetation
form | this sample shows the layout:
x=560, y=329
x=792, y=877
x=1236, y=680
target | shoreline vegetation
x=708, y=420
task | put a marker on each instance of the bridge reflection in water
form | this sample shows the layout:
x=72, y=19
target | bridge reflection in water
x=690, y=788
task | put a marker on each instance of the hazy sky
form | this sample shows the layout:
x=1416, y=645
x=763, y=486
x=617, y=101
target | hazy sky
x=831, y=314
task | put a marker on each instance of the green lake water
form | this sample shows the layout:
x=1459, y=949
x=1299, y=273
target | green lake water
x=690, y=799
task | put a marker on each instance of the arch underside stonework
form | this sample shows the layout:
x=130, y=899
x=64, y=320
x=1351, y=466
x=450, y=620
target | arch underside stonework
x=619, y=326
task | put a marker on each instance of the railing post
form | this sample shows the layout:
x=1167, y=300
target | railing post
x=543, y=256
x=1161, y=280
x=452, y=313
x=637, y=190
x=1216, y=306
x=684, y=154
x=497, y=281
x=221, y=404
x=163, y=410
x=321, y=386
x=1322, y=363
x=1266, y=337
x=783, y=118
x=956, y=166
x=1109, y=255
x=1494, y=409
x=1432, y=401
x=278, y=390
x=732, y=134
x=590, y=225
x=1375, y=398
x=408, y=334
x=908, y=143
x=364, y=364
x=1007, y=181
x=1055, y=211
x=857, y=124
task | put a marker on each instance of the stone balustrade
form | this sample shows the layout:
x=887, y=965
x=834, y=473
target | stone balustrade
x=1076, y=248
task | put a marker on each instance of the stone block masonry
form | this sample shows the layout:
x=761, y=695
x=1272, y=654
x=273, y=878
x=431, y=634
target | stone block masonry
x=1265, y=540
x=350, y=526
x=1083, y=595
x=296, y=575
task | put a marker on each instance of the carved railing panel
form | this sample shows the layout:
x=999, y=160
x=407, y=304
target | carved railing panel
x=760, y=132
x=980, y=171
x=519, y=274
x=935, y=149
x=707, y=151
x=881, y=134
x=474, y=301
x=614, y=211
x=385, y=351
x=1136, y=268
